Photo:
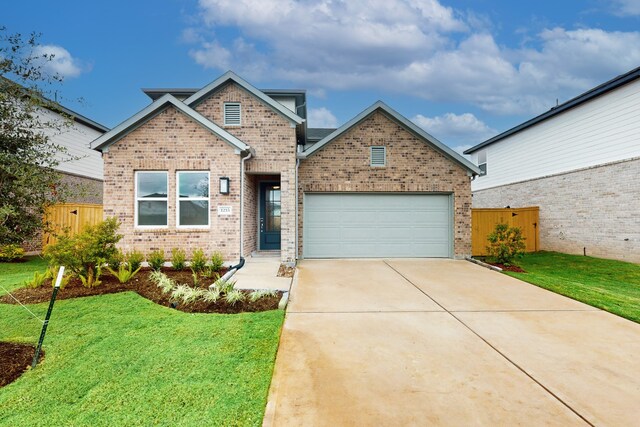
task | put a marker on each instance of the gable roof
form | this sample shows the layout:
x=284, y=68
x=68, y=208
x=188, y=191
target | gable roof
x=574, y=102
x=231, y=76
x=152, y=110
x=407, y=124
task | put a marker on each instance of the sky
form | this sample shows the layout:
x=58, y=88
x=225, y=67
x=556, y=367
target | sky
x=464, y=70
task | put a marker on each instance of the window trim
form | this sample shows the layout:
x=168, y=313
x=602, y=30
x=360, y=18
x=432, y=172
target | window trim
x=179, y=199
x=384, y=150
x=483, y=172
x=149, y=199
x=224, y=114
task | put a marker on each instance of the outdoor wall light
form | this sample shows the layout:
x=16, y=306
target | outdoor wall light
x=224, y=185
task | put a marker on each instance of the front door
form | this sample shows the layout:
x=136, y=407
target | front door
x=269, y=216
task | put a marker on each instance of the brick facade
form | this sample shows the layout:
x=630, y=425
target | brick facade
x=412, y=166
x=273, y=138
x=594, y=208
x=172, y=142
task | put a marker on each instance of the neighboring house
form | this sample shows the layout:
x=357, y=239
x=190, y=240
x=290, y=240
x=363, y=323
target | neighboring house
x=85, y=174
x=232, y=168
x=580, y=163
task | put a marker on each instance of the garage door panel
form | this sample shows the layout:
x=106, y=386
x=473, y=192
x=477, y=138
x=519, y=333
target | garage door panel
x=377, y=225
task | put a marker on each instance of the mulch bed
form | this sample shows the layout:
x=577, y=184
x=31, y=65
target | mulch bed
x=513, y=268
x=145, y=288
x=14, y=360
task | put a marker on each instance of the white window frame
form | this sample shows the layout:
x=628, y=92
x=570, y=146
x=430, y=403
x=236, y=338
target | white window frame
x=149, y=199
x=485, y=155
x=384, y=150
x=179, y=199
x=224, y=114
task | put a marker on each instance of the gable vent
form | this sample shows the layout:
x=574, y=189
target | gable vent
x=378, y=156
x=232, y=114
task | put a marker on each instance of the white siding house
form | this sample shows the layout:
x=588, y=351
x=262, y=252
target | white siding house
x=76, y=139
x=580, y=163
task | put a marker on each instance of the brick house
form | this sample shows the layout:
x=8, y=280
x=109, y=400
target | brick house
x=233, y=168
x=579, y=162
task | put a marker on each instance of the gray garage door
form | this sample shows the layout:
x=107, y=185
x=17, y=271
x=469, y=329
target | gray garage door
x=364, y=225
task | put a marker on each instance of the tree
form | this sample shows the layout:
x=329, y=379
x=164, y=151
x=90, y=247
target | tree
x=29, y=182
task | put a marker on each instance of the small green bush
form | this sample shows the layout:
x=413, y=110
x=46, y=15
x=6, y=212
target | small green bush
x=10, y=252
x=86, y=252
x=261, y=293
x=134, y=259
x=178, y=259
x=211, y=295
x=233, y=297
x=156, y=259
x=92, y=278
x=39, y=279
x=505, y=244
x=217, y=261
x=124, y=273
x=198, y=261
x=162, y=281
x=117, y=260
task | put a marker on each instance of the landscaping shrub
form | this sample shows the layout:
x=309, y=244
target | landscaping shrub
x=505, y=244
x=156, y=259
x=117, y=260
x=233, y=297
x=178, y=259
x=134, y=259
x=161, y=280
x=217, y=261
x=86, y=252
x=124, y=273
x=261, y=293
x=12, y=252
x=198, y=261
x=39, y=279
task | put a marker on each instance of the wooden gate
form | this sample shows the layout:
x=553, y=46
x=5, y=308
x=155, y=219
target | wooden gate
x=72, y=217
x=484, y=221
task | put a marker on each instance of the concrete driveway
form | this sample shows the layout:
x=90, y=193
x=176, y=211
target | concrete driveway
x=444, y=342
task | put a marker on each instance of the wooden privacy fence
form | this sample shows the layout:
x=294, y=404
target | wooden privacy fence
x=70, y=216
x=484, y=221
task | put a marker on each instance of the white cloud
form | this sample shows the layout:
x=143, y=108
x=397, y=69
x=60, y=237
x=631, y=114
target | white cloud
x=415, y=47
x=58, y=60
x=322, y=118
x=463, y=130
x=627, y=7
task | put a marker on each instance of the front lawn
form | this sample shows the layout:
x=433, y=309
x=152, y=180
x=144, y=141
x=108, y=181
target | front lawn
x=611, y=285
x=12, y=275
x=121, y=359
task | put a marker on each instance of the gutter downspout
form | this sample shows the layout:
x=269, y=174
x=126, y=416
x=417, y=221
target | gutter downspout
x=244, y=159
x=297, y=219
x=232, y=269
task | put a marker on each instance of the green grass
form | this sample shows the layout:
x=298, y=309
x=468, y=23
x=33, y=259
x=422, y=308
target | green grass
x=120, y=359
x=611, y=285
x=14, y=274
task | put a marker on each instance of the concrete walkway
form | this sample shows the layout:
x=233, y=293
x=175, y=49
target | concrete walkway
x=261, y=272
x=444, y=342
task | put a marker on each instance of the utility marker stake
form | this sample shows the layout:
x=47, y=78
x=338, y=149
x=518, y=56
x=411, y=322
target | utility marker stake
x=56, y=288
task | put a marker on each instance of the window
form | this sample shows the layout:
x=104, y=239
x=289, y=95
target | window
x=482, y=162
x=232, y=114
x=193, y=198
x=151, y=199
x=378, y=156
